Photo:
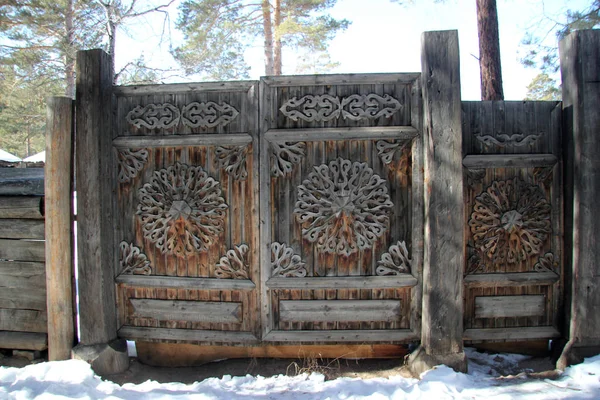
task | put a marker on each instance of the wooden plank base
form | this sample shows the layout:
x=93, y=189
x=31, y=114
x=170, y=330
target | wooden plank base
x=188, y=355
x=23, y=340
x=536, y=348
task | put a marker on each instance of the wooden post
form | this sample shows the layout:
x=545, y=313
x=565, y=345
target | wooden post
x=442, y=314
x=95, y=216
x=580, y=69
x=59, y=244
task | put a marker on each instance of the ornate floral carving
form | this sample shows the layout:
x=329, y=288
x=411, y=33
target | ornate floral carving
x=234, y=264
x=387, y=149
x=130, y=162
x=154, y=116
x=343, y=207
x=504, y=140
x=474, y=176
x=285, y=263
x=510, y=221
x=322, y=108
x=207, y=115
x=233, y=160
x=181, y=209
x=395, y=262
x=133, y=261
x=546, y=263
x=284, y=156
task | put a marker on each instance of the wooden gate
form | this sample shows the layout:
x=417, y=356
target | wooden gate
x=336, y=254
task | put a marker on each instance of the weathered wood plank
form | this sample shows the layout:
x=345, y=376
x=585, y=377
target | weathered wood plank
x=339, y=310
x=23, y=320
x=21, y=181
x=511, y=334
x=353, y=133
x=511, y=279
x=23, y=340
x=21, y=229
x=193, y=311
x=509, y=306
x=23, y=298
x=185, y=283
x=347, y=336
x=333, y=79
x=30, y=207
x=509, y=160
x=343, y=282
x=176, y=88
x=230, y=139
x=22, y=275
x=22, y=250
x=186, y=335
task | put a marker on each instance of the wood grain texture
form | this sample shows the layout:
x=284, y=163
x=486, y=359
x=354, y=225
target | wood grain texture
x=511, y=279
x=126, y=142
x=350, y=133
x=339, y=310
x=22, y=250
x=509, y=306
x=509, y=160
x=23, y=320
x=186, y=335
x=346, y=282
x=21, y=181
x=194, y=311
x=23, y=340
x=342, y=336
x=29, y=298
x=26, y=207
x=442, y=322
x=512, y=334
x=185, y=283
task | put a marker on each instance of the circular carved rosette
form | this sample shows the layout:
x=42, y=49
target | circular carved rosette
x=510, y=221
x=343, y=207
x=181, y=210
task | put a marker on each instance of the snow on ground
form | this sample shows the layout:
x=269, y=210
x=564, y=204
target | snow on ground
x=74, y=379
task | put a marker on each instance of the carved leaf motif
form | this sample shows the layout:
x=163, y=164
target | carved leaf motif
x=504, y=140
x=133, y=261
x=208, y=115
x=543, y=174
x=131, y=161
x=343, y=207
x=395, y=262
x=387, y=149
x=474, y=176
x=510, y=221
x=233, y=160
x=474, y=263
x=357, y=107
x=234, y=264
x=546, y=263
x=312, y=108
x=284, y=156
x=154, y=116
x=285, y=263
x=181, y=210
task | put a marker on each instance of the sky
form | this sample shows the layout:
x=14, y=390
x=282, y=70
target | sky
x=386, y=37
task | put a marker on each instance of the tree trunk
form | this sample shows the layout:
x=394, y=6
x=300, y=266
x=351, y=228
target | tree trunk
x=268, y=31
x=69, y=50
x=277, y=60
x=489, y=50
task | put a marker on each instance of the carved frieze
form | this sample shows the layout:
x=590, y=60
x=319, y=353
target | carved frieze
x=130, y=162
x=510, y=221
x=234, y=264
x=285, y=263
x=395, y=262
x=154, y=116
x=181, y=210
x=322, y=108
x=284, y=156
x=504, y=140
x=343, y=207
x=133, y=261
x=233, y=160
x=193, y=115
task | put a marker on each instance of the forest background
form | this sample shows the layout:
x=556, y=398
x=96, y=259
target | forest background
x=164, y=41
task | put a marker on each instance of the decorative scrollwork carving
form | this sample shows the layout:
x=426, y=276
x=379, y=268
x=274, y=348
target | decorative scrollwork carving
x=546, y=263
x=234, y=264
x=284, y=156
x=207, y=115
x=510, y=221
x=181, y=209
x=343, y=207
x=504, y=140
x=395, y=262
x=233, y=160
x=387, y=149
x=357, y=107
x=130, y=162
x=474, y=176
x=285, y=263
x=543, y=174
x=322, y=108
x=133, y=261
x=474, y=263
x=154, y=116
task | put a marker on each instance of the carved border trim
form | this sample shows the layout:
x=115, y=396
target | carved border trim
x=193, y=115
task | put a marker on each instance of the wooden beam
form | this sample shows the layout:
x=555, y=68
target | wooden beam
x=22, y=275
x=29, y=207
x=59, y=232
x=139, y=90
x=341, y=79
x=511, y=279
x=339, y=310
x=343, y=282
x=186, y=335
x=173, y=282
x=345, y=336
x=21, y=181
x=21, y=229
x=230, y=139
x=23, y=320
x=512, y=334
x=327, y=134
x=193, y=311
x=509, y=306
x=510, y=160
x=22, y=250
x=23, y=340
